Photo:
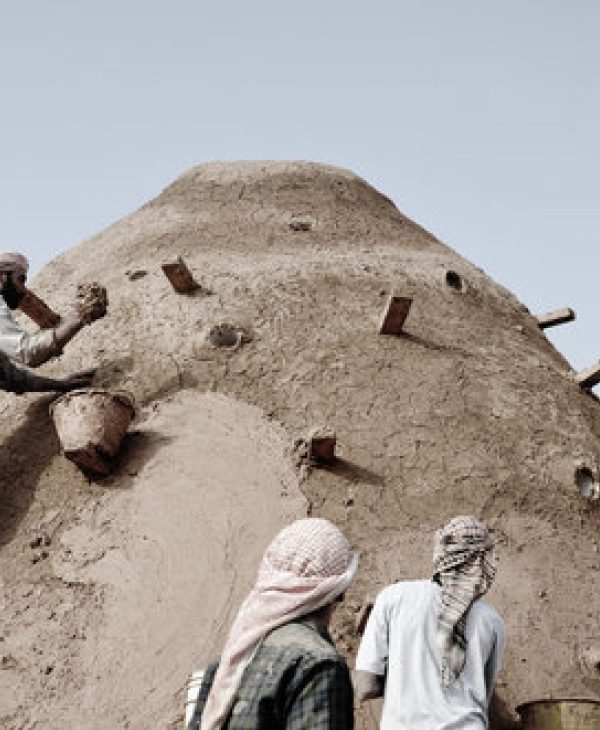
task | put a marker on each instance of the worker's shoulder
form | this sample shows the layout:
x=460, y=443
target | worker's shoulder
x=483, y=611
x=4, y=308
x=301, y=639
x=405, y=589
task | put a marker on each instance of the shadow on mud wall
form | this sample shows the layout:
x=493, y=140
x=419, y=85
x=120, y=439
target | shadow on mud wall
x=137, y=449
x=501, y=717
x=355, y=473
x=23, y=457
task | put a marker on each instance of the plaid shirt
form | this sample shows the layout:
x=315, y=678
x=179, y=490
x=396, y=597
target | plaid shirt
x=296, y=681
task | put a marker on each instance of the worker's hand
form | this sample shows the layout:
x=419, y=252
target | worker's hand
x=76, y=381
x=92, y=302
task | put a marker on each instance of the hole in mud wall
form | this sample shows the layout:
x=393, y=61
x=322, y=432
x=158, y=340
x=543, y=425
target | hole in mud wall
x=455, y=281
x=301, y=224
x=589, y=659
x=225, y=335
x=586, y=484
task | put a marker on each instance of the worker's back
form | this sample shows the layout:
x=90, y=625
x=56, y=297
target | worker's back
x=297, y=679
x=400, y=642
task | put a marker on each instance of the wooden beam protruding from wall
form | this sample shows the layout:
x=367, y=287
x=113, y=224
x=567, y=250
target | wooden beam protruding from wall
x=589, y=377
x=552, y=319
x=37, y=310
x=180, y=276
x=396, y=312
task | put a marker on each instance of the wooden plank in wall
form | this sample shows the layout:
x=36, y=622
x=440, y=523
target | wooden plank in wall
x=590, y=376
x=552, y=319
x=394, y=315
x=180, y=276
x=37, y=310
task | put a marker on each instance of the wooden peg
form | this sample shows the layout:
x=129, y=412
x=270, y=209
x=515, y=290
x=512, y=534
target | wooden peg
x=37, y=310
x=180, y=277
x=395, y=314
x=552, y=319
x=589, y=377
x=321, y=442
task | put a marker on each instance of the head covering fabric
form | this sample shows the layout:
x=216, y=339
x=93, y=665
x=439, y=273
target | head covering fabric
x=464, y=562
x=306, y=567
x=12, y=261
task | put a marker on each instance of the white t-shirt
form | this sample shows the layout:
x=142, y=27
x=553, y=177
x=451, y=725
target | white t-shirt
x=400, y=642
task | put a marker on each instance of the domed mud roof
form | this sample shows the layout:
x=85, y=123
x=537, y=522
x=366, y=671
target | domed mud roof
x=469, y=411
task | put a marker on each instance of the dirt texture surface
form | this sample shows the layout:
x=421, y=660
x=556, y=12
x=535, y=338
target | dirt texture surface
x=113, y=590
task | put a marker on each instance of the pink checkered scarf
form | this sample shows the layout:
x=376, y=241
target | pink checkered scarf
x=465, y=563
x=306, y=567
x=11, y=261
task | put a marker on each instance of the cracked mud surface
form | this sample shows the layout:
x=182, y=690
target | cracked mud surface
x=116, y=589
x=100, y=629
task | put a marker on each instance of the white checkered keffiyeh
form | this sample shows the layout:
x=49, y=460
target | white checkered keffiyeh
x=306, y=567
x=465, y=564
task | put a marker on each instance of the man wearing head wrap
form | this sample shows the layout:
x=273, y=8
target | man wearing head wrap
x=279, y=668
x=33, y=349
x=433, y=649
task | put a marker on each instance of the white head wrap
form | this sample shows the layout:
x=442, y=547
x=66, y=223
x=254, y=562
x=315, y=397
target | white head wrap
x=465, y=563
x=306, y=567
x=12, y=261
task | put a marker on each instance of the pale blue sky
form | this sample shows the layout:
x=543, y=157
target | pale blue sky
x=480, y=120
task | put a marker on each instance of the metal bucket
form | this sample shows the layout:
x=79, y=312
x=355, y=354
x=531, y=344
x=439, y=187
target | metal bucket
x=91, y=425
x=193, y=690
x=561, y=714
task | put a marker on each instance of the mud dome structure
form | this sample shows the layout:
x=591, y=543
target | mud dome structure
x=469, y=411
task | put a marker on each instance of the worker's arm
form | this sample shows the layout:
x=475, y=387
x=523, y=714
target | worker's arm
x=373, y=652
x=65, y=330
x=367, y=686
x=36, y=349
x=75, y=381
x=323, y=701
x=19, y=380
x=494, y=662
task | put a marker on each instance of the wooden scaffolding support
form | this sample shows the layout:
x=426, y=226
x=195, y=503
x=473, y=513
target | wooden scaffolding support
x=552, y=319
x=589, y=377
